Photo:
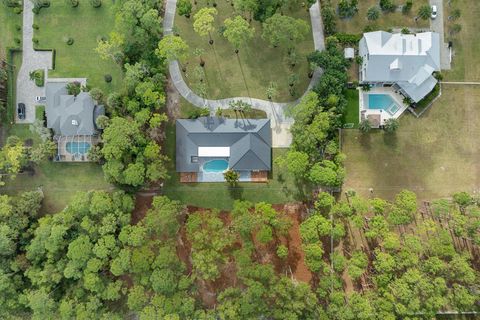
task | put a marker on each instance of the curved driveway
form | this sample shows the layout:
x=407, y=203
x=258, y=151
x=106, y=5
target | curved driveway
x=275, y=111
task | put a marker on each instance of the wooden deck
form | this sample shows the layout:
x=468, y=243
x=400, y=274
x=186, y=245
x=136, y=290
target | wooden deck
x=259, y=176
x=188, y=177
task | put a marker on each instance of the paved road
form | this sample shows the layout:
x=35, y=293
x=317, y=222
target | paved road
x=31, y=60
x=437, y=25
x=275, y=111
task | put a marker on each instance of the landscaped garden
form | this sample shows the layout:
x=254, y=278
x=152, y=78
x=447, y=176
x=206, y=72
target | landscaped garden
x=74, y=33
x=381, y=19
x=429, y=155
x=260, y=69
x=282, y=187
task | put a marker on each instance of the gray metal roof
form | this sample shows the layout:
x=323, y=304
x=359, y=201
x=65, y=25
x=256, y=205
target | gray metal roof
x=406, y=59
x=250, y=142
x=68, y=115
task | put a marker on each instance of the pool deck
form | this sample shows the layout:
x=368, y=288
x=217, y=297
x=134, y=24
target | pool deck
x=62, y=153
x=366, y=113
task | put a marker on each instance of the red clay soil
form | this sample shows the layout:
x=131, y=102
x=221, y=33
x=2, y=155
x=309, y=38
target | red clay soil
x=142, y=204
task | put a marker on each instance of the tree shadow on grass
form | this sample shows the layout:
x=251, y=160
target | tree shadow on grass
x=236, y=192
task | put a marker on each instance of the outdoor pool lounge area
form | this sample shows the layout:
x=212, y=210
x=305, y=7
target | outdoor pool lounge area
x=78, y=147
x=380, y=104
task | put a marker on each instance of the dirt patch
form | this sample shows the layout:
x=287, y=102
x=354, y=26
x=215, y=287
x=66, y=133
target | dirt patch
x=173, y=101
x=142, y=204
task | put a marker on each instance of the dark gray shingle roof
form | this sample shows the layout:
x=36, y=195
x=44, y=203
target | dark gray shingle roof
x=63, y=110
x=250, y=142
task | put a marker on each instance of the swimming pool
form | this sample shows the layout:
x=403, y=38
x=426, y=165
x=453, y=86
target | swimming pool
x=382, y=101
x=78, y=147
x=215, y=166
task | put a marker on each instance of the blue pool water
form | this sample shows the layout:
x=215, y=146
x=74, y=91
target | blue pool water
x=379, y=101
x=382, y=101
x=215, y=166
x=78, y=147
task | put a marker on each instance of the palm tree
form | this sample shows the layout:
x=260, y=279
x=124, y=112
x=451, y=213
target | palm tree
x=391, y=125
x=425, y=12
x=373, y=13
x=365, y=126
x=455, y=14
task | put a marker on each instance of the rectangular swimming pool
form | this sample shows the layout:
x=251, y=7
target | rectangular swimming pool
x=78, y=147
x=382, y=102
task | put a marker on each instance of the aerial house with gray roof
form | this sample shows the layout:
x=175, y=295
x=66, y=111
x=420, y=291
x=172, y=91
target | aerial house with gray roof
x=73, y=121
x=208, y=146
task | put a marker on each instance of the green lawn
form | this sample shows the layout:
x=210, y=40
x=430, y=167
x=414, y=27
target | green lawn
x=186, y=108
x=357, y=23
x=8, y=31
x=281, y=188
x=466, y=46
x=434, y=155
x=85, y=25
x=351, y=115
x=258, y=64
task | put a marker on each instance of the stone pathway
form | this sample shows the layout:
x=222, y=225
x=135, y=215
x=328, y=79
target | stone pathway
x=275, y=111
x=31, y=60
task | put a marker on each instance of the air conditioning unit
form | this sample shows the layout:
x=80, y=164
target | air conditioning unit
x=75, y=122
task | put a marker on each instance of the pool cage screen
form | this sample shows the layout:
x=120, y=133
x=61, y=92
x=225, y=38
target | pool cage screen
x=76, y=153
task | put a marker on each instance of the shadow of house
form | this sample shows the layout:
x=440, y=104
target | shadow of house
x=73, y=121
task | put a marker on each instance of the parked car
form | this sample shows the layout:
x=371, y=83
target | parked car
x=40, y=99
x=21, y=111
x=434, y=11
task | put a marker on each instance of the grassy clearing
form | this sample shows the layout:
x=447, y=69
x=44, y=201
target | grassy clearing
x=258, y=64
x=281, y=187
x=466, y=46
x=86, y=25
x=396, y=19
x=186, y=109
x=434, y=155
x=351, y=115
x=9, y=22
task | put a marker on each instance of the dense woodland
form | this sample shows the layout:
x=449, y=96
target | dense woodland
x=98, y=259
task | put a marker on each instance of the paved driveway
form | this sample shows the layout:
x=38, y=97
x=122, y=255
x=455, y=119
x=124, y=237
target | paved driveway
x=31, y=60
x=437, y=25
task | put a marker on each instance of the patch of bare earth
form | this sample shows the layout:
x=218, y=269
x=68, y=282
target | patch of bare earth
x=173, y=101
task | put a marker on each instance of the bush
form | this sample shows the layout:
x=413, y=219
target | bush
x=73, y=3
x=38, y=76
x=407, y=7
x=35, y=40
x=387, y=5
x=73, y=88
x=13, y=3
x=34, y=26
x=184, y=8
x=96, y=3
x=17, y=40
x=405, y=30
x=108, y=78
x=348, y=39
x=17, y=10
x=68, y=40
x=198, y=112
x=18, y=27
x=329, y=23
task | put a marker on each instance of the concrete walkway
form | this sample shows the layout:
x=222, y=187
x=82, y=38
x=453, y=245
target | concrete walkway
x=280, y=123
x=437, y=25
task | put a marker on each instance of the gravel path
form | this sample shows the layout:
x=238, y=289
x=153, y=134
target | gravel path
x=31, y=60
x=275, y=111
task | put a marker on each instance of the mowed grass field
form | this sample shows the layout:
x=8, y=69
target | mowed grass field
x=466, y=45
x=8, y=28
x=435, y=155
x=396, y=19
x=86, y=25
x=256, y=66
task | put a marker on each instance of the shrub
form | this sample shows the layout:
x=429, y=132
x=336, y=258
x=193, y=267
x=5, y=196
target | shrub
x=108, y=78
x=329, y=23
x=13, y=3
x=373, y=13
x=18, y=27
x=73, y=3
x=407, y=7
x=347, y=8
x=387, y=5
x=184, y=8
x=35, y=40
x=68, y=40
x=73, y=88
x=17, y=40
x=38, y=76
x=96, y=3
x=96, y=94
x=405, y=30
x=198, y=112
x=282, y=251
x=34, y=26
x=348, y=39
x=17, y=10
x=39, y=4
